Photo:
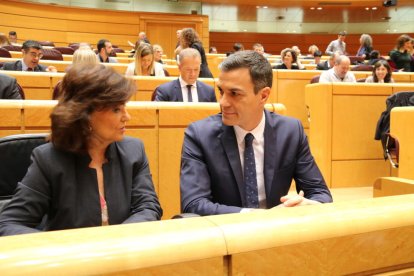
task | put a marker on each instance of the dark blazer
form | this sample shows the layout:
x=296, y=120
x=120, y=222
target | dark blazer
x=8, y=88
x=17, y=66
x=204, y=71
x=61, y=185
x=211, y=172
x=323, y=65
x=283, y=66
x=171, y=92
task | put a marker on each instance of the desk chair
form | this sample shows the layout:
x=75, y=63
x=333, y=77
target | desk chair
x=15, y=152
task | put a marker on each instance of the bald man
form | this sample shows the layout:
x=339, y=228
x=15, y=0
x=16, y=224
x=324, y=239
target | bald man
x=339, y=73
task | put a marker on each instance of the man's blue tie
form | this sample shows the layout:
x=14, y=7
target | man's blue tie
x=250, y=180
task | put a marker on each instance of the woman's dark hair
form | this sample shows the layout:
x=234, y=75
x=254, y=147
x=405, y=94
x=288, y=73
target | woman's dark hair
x=190, y=37
x=402, y=39
x=387, y=66
x=291, y=51
x=375, y=54
x=85, y=89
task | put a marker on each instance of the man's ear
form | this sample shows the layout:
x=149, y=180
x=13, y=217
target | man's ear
x=264, y=94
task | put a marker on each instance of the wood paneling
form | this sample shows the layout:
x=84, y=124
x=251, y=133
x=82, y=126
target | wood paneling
x=64, y=25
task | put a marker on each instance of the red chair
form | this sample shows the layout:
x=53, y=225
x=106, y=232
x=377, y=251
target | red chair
x=47, y=43
x=356, y=59
x=52, y=54
x=362, y=67
x=315, y=79
x=74, y=46
x=14, y=48
x=65, y=50
x=5, y=53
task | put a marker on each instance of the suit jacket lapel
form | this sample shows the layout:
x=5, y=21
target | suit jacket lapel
x=177, y=91
x=229, y=142
x=270, y=154
x=200, y=95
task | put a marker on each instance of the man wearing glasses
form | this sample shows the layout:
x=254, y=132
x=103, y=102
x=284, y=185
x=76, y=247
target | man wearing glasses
x=32, y=53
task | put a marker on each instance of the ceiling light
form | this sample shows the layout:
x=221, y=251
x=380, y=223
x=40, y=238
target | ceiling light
x=374, y=8
x=367, y=8
x=264, y=7
x=312, y=8
x=319, y=8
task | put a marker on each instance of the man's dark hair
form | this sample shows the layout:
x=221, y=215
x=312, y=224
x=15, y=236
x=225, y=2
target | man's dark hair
x=85, y=89
x=259, y=68
x=31, y=44
x=317, y=53
x=101, y=44
x=12, y=33
x=238, y=47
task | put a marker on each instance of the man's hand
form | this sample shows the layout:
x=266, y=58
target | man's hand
x=296, y=200
x=51, y=68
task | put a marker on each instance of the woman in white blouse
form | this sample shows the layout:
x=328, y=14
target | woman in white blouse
x=381, y=73
x=144, y=64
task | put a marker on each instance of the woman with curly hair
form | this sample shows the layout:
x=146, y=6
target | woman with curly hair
x=190, y=39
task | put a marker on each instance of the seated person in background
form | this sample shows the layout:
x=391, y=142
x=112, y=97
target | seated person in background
x=82, y=56
x=374, y=56
x=366, y=46
x=186, y=88
x=142, y=36
x=257, y=47
x=317, y=55
x=339, y=73
x=400, y=55
x=4, y=41
x=13, y=38
x=289, y=59
x=236, y=47
x=158, y=51
x=230, y=162
x=8, y=88
x=381, y=73
x=212, y=50
x=104, y=50
x=89, y=174
x=327, y=64
x=31, y=54
x=144, y=64
x=312, y=49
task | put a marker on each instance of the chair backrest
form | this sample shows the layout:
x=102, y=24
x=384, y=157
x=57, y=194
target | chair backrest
x=315, y=79
x=14, y=48
x=4, y=53
x=47, y=43
x=356, y=59
x=362, y=67
x=74, y=45
x=361, y=80
x=51, y=54
x=21, y=91
x=65, y=50
x=118, y=50
x=15, y=152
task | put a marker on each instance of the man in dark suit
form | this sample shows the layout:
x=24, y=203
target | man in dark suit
x=186, y=88
x=105, y=48
x=8, y=88
x=245, y=158
x=328, y=64
x=31, y=55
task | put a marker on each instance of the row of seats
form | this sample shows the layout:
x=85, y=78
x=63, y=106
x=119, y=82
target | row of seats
x=160, y=125
x=288, y=85
x=366, y=237
x=343, y=119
